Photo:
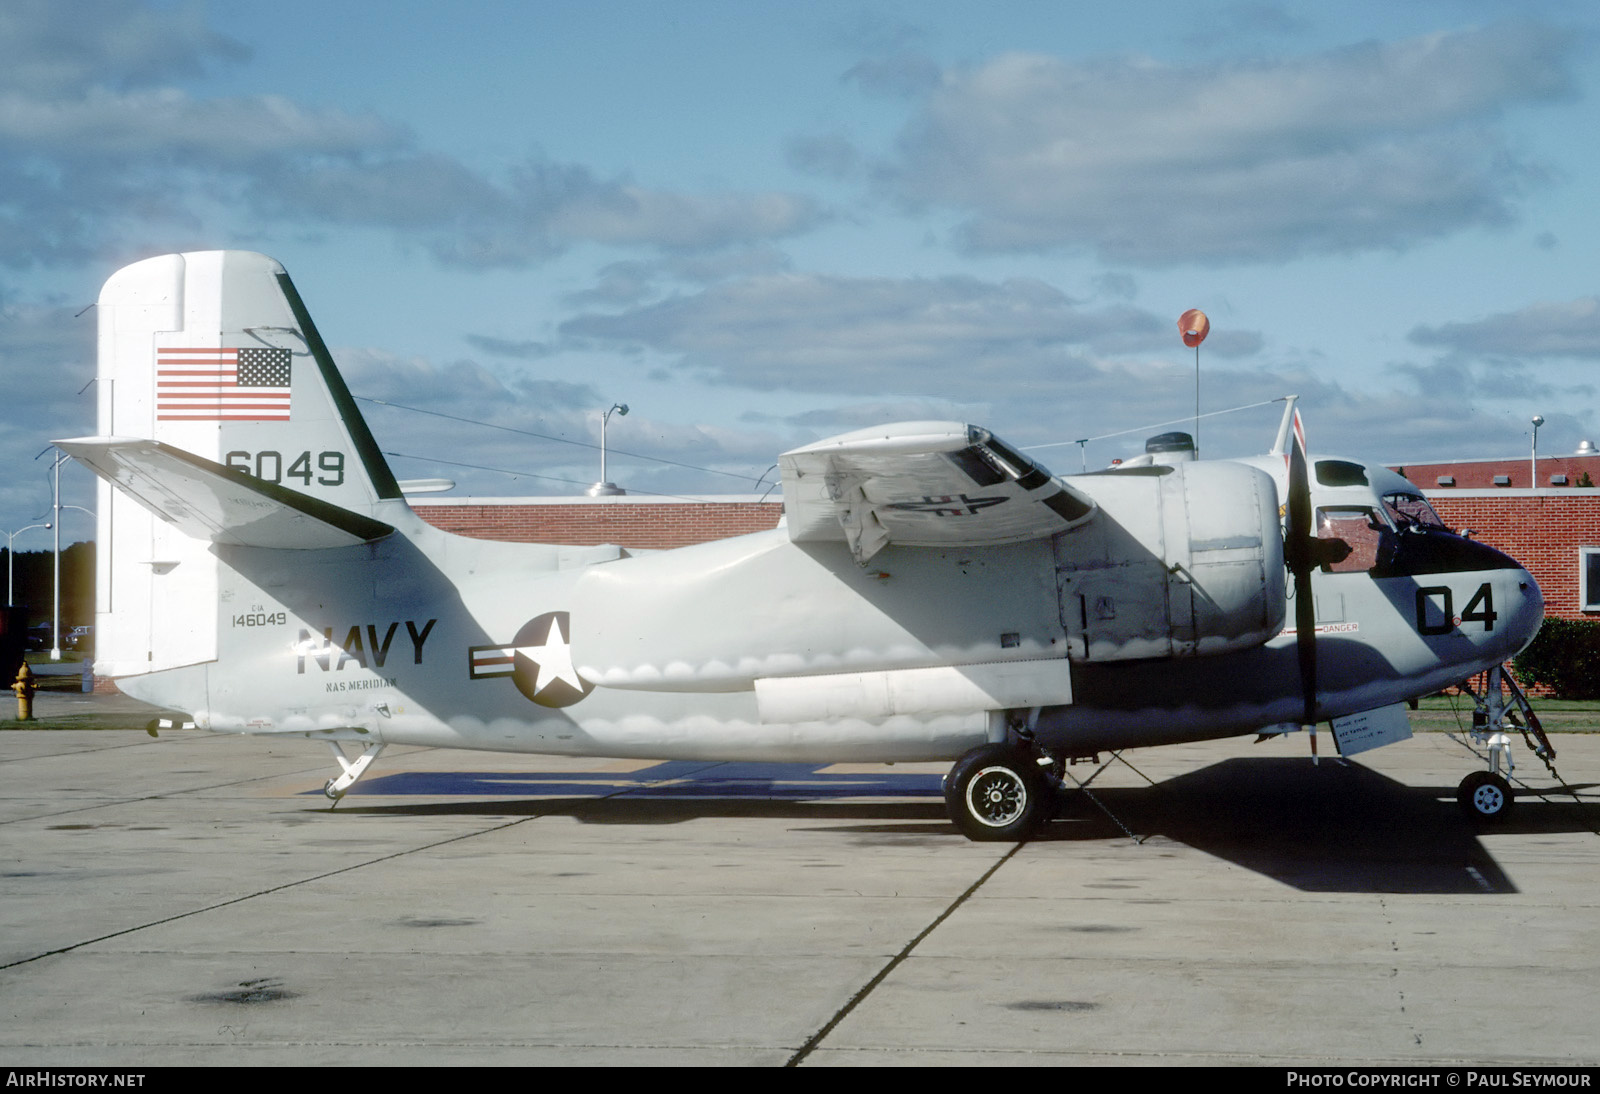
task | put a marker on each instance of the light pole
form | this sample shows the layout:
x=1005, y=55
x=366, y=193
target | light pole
x=1533, y=461
x=55, y=506
x=11, y=556
x=55, y=524
x=605, y=487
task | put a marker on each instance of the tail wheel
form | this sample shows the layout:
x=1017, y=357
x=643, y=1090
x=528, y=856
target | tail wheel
x=1485, y=796
x=996, y=792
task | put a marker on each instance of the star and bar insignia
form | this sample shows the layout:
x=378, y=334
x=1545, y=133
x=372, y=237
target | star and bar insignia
x=538, y=660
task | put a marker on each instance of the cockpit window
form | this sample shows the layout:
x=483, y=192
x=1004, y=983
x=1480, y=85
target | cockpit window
x=1360, y=529
x=1340, y=473
x=987, y=461
x=1411, y=511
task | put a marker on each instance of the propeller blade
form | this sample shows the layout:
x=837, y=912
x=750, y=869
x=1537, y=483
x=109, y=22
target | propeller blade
x=1299, y=553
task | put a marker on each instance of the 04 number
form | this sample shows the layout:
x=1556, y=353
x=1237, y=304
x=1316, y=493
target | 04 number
x=1441, y=618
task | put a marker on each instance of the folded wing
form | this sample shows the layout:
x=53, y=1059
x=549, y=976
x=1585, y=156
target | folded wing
x=922, y=484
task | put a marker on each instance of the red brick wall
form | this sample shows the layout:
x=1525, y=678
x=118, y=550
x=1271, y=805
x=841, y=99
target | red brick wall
x=628, y=523
x=1479, y=474
x=1541, y=531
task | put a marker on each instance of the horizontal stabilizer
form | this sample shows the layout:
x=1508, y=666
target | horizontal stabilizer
x=208, y=501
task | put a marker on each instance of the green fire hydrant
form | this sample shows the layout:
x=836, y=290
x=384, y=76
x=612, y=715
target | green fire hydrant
x=24, y=687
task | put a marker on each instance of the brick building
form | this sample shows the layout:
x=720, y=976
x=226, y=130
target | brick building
x=626, y=520
x=1507, y=473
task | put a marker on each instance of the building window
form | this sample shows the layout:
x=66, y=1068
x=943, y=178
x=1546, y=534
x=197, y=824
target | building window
x=1589, y=578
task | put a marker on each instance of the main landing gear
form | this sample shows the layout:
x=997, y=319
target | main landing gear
x=999, y=792
x=1004, y=790
x=1486, y=796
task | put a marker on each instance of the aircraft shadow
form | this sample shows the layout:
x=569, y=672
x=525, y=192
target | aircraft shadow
x=1329, y=828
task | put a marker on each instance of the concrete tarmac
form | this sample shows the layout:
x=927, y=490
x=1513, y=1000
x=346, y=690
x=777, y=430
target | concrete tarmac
x=192, y=900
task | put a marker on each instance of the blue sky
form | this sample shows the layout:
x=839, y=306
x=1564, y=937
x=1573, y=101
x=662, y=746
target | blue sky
x=760, y=224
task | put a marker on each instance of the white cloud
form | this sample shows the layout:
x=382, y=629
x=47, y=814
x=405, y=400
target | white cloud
x=378, y=374
x=821, y=333
x=167, y=123
x=957, y=336
x=97, y=142
x=1568, y=328
x=52, y=47
x=1375, y=145
x=466, y=218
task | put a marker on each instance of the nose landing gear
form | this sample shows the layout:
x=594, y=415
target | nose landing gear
x=1486, y=796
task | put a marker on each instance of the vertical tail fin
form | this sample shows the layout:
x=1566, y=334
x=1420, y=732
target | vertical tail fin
x=214, y=353
x=209, y=360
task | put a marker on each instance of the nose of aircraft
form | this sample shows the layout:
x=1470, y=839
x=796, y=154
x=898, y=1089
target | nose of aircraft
x=1527, y=612
x=1518, y=606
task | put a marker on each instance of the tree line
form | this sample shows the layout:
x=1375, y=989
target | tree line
x=33, y=584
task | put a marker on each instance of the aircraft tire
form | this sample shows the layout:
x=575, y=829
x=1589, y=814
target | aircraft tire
x=1485, y=796
x=996, y=793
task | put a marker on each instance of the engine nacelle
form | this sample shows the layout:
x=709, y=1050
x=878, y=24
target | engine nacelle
x=1181, y=561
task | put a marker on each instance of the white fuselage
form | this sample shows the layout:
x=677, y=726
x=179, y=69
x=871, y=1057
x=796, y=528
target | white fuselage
x=432, y=639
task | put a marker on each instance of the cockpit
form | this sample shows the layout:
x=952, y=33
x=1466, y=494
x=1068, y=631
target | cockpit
x=1388, y=526
x=1411, y=512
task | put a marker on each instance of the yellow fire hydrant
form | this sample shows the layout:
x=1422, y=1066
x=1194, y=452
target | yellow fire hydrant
x=24, y=687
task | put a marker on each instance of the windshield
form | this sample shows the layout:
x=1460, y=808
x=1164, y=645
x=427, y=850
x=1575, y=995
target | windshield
x=1411, y=511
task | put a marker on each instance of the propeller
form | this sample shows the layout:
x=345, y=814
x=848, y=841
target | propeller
x=1299, y=549
x=1303, y=552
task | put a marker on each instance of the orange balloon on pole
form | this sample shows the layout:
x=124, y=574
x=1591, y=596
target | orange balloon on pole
x=1195, y=326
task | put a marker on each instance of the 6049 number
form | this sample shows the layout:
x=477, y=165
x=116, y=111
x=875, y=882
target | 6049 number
x=269, y=467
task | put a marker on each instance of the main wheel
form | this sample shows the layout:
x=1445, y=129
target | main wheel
x=1484, y=796
x=996, y=792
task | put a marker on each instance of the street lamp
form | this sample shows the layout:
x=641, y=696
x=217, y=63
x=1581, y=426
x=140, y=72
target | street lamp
x=56, y=507
x=11, y=555
x=1533, y=462
x=606, y=488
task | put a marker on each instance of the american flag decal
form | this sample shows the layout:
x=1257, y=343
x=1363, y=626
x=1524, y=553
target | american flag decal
x=222, y=385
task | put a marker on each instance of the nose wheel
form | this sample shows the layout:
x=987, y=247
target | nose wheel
x=1485, y=796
